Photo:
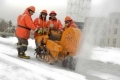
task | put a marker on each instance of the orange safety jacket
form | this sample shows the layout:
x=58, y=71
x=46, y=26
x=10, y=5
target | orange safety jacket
x=41, y=24
x=24, y=25
x=55, y=24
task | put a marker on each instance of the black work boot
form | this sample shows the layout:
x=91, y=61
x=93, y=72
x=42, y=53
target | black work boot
x=22, y=53
x=25, y=56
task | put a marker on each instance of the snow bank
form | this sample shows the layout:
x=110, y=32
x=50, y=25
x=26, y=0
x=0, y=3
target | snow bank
x=111, y=55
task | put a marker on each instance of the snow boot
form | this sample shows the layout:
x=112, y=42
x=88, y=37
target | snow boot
x=26, y=56
x=23, y=55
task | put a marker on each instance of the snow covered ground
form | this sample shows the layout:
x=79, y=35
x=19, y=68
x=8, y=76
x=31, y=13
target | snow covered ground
x=111, y=55
x=13, y=68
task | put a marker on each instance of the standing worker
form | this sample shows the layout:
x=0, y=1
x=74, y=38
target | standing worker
x=24, y=26
x=41, y=22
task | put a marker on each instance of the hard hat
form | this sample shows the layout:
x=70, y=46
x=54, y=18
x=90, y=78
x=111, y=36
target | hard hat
x=44, y=11
x=67, y=18
x=52, y=12
x=32, y=8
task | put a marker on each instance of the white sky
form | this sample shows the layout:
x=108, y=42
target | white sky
x=10, y=9
x=104, y=7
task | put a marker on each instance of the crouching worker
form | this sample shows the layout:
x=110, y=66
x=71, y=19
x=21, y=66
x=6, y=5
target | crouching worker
x=41, y=35
x=69, y=23
x=55, y=26
x=24, y=26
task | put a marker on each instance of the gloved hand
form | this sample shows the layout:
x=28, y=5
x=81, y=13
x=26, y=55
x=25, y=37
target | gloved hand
x=39, y=31
x=45, y=29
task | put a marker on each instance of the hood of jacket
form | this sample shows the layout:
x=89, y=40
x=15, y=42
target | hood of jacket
x=26, y=11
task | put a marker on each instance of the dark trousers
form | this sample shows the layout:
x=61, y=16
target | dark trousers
x=22, y=45
x=22, y=41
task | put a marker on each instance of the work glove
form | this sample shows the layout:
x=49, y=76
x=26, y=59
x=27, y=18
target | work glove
x=39, y=31
x=45, y=30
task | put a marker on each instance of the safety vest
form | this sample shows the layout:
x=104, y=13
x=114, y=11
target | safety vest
x=39, y=21
x=52, y=25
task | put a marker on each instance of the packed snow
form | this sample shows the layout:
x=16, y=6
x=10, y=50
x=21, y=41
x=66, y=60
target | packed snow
x=104, y=76
x=14, y=68
x=111, y=55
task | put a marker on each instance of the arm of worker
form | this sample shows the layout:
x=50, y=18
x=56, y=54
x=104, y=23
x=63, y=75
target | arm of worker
x=36, y=22
x=29, y=23
x=60, y=24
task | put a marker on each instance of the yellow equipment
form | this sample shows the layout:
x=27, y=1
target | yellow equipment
x=63, y=49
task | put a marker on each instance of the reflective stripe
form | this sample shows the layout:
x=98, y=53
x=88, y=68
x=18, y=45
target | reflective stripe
x=52, y=25
x=23, y=45
x=23, y=16
x=18, y=46
x=39, y=21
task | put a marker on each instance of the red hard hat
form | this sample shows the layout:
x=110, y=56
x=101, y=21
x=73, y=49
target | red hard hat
x=52, y=12
x=32, y=8
x=44, y=11
x=67, y=18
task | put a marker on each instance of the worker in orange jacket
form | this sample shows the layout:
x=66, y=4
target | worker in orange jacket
x=24, y=26
x=41, y=22
x=54, y=23
x=69, y=23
